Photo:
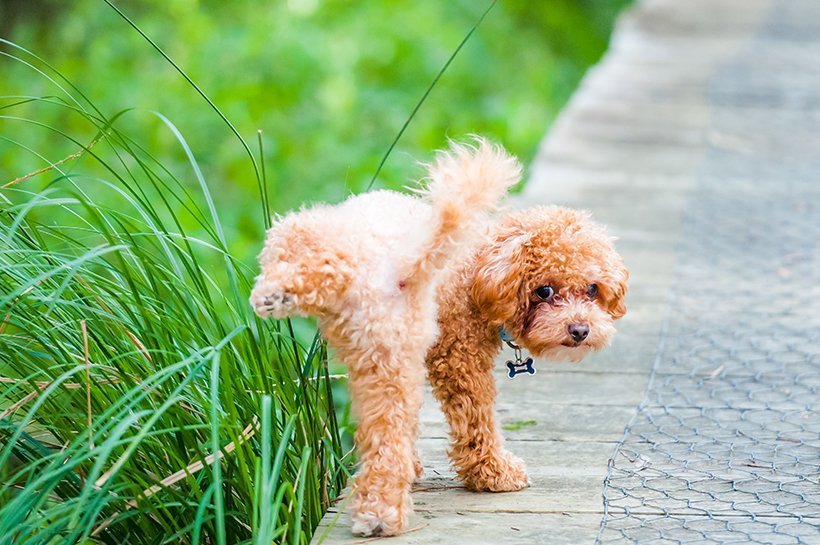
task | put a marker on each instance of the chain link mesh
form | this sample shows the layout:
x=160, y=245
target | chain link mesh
x=726, y=446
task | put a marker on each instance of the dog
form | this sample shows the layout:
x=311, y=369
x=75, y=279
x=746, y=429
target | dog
x=400, y=284
x=369, y=269
x=551, y=279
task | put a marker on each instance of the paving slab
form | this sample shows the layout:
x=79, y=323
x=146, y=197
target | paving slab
x=460, y=529
x=545, y=420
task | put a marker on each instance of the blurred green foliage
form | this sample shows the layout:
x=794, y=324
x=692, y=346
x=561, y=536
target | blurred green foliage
x=328, y=82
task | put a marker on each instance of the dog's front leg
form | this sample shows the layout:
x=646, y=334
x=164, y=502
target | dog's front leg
x=463, y=383
x=385, y=387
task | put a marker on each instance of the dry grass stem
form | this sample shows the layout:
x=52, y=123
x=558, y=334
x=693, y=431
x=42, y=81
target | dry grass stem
x=133, y=338
x=12, y=409
x=87, y=384
x=53, y=165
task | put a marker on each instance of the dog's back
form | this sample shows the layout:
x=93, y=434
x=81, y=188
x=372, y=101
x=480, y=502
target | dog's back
x=387, y=231
x=404, y=242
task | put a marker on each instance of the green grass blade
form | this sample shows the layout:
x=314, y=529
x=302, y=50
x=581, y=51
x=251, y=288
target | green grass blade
x=427, y=92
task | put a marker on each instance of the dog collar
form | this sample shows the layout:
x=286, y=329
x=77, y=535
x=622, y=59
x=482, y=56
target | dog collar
x=520, y=365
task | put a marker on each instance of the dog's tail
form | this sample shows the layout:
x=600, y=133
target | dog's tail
x=465, y=182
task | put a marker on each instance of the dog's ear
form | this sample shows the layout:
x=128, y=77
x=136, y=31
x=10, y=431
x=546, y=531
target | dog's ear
x=497, y=277
x=615, y=288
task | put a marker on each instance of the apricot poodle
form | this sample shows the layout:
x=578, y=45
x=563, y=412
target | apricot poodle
x=401, y=283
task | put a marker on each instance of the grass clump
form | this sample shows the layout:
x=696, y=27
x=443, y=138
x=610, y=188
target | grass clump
x=141, y=401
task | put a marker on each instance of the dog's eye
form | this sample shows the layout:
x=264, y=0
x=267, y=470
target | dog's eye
x=592, y=291
x=545, y=292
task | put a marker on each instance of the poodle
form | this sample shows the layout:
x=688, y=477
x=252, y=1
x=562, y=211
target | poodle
x=369, y=269
x=551, y=280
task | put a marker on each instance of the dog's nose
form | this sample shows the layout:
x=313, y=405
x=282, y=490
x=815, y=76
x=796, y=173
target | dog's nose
x=578, y=332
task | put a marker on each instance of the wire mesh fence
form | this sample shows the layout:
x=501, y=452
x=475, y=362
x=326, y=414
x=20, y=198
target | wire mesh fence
x=726, y=446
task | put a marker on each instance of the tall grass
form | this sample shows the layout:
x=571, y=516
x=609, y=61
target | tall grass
x=141, y=401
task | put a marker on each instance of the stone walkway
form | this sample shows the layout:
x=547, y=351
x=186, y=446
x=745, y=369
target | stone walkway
x=697, y=140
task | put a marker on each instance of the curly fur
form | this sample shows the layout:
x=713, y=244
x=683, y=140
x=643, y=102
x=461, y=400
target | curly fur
x=368, y=269
x=496, y=286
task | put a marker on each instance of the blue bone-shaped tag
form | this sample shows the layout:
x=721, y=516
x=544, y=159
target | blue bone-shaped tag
x=518, y=367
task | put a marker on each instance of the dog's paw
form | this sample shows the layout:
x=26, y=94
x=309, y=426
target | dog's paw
x=418, y=467
x=276, y=304
x=376, y=518
x=502, y=472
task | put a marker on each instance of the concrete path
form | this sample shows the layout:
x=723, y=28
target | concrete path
x=697, y=140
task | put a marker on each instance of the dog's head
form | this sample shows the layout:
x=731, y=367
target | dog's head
x=552, y=279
